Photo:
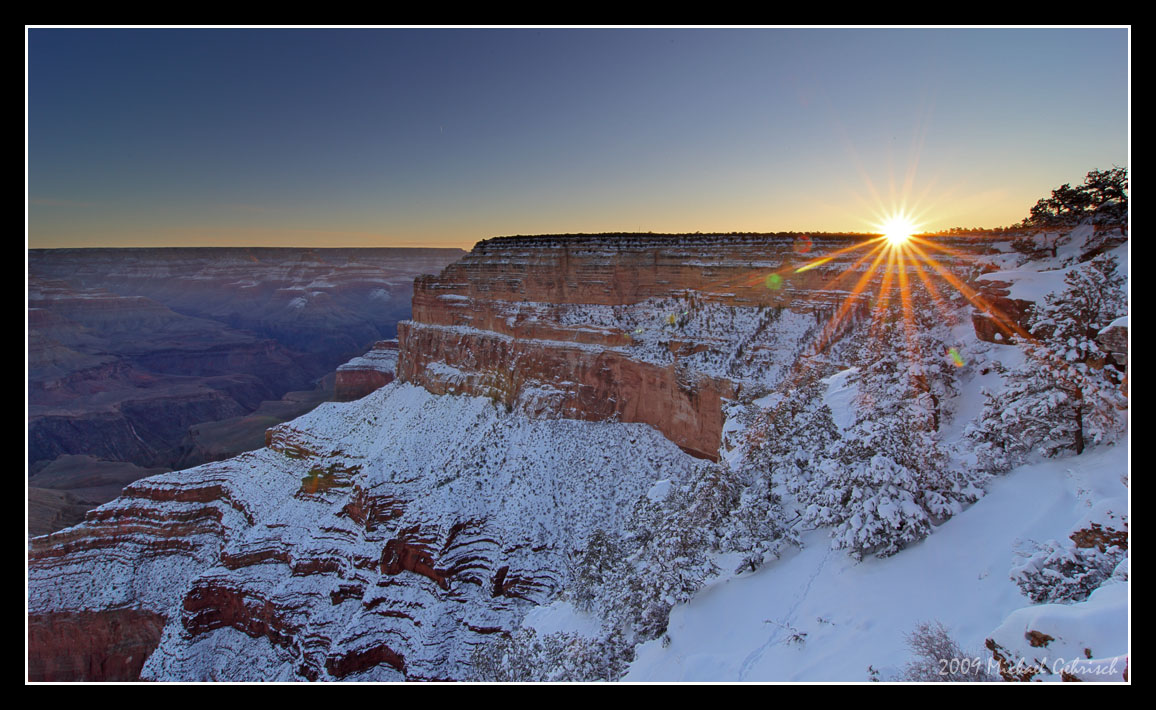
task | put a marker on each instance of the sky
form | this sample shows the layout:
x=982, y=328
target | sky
x=444, y=137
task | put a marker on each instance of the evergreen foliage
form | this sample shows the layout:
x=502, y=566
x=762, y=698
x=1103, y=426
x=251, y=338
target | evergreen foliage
x=1102, y=201
x=886, y=481
x=1067, y=394
x=1057, y=572
x=883, y=486
x=667, y=553
x=559, y=657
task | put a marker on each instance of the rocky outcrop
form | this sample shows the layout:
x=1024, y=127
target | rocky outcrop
x=1114, y=340
x=1001, y=318
x=367, y=373
x=440, y=523
x=99, y=593
x=556, y=379
x=108, y=645
x=658, y=329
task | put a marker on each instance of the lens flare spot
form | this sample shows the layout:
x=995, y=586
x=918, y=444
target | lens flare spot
x=774, y=282
x=803, y=244
x=813, y=264
x=955, y=357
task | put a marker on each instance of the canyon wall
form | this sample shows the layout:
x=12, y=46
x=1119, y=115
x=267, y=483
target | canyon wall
x=658, y=329
x=379, y=539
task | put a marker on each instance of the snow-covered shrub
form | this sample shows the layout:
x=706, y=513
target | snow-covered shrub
x=715, y=492
x=1028, y=414
x=1070, y=357
x=780, y=444
x=938, y=658
x=558, y=657
x=786, y=450
x=757, y=527
x=672, y=561
x=1039, y=245
x=664, y=557
x=1062, y=573
x=595, y=569
x=904, y=366
x=667, y=552
x=792, y=436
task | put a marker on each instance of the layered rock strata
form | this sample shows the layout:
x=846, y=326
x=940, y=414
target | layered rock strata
x=658, y=329
x=380, y=539
x=367, y=373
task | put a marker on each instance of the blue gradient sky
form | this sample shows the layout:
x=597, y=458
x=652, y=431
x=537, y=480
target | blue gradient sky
x=444, y=137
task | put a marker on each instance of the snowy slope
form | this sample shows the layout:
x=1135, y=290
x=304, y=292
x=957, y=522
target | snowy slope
x=284, y=583
x=818, y=615
x=855, y=615
x=1036, y=279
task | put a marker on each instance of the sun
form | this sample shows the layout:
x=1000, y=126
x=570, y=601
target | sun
x=897, y=229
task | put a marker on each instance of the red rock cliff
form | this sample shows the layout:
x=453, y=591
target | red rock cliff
x=365, y=374
x=600, y=327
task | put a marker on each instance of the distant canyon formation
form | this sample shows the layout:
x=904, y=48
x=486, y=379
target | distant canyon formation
x=131, y=351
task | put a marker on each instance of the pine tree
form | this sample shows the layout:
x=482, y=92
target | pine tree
x=595, y=569
x=887, y=481
x=1067, y=394
x=757, y=527
x=1108, y=191
x=671, y=562
x=883, y=486
x=634, y=581
x=526, y=656
x=784, y=445
x=793, y=440
x=1102, y=201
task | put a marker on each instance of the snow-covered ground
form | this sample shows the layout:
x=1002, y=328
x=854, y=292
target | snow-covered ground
x=1036, y=279
x=856, y=615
